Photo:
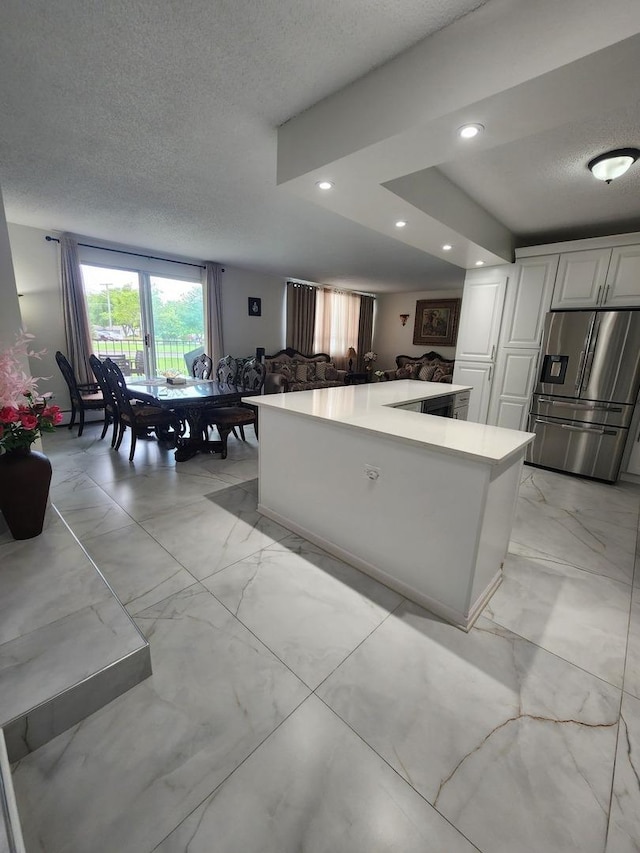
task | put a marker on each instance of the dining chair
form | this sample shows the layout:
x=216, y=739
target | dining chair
x=202, y=367
x=141, y=417
x=227, y=370
x=85, y=396
x=225, y=418
x=110, y=408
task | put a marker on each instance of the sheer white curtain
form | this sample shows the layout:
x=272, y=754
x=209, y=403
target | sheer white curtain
x=336, y=326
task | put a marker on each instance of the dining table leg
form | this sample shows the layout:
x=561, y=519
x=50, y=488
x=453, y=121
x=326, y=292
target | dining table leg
x=196, y=442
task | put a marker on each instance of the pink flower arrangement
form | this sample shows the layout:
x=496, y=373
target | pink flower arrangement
x=24, y=415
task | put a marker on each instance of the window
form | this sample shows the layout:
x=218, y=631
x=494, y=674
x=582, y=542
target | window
x=146, y=323
x=337, y=319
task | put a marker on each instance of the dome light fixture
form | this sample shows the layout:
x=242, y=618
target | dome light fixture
x=447, y=247
x=479, y=263
x=468, y=131
x=606, y=167
x=325, y=185
x=401, y=223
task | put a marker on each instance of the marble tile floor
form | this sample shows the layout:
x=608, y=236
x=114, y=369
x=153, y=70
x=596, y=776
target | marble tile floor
x=296, y=704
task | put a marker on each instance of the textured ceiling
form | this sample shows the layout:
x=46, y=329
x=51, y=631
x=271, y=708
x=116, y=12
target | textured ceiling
x=154, y=123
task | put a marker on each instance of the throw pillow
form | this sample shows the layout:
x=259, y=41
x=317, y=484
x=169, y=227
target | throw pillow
x=413, y=367
x=321, y=370
x=301, y=371
x=285, y=370
x=443, y=373
x=403, y=373
x=426, y=372
x=331, y=373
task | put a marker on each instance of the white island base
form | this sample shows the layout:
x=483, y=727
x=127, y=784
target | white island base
x=421, y=503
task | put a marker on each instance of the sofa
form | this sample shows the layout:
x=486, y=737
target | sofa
x=290, y=370
x=429, y=367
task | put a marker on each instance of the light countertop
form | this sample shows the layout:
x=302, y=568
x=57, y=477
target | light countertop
x=371, y=408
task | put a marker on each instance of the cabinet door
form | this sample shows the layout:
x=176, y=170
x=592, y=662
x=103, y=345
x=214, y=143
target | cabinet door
x=622, y=289
x=528, y=301
x=633, y=463
x=511, y=413
x=513, y=385
x=581, y=279
x=478, y=375
x=480, y=318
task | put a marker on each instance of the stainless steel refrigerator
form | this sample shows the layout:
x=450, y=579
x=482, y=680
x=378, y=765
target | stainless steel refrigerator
x=587, y=388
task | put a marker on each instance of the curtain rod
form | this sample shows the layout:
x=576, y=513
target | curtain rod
x=134, y=254
x=328, y=287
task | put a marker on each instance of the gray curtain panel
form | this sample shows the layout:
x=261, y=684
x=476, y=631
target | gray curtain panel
x=301, y=316
x=365, y=328
x=74, y=308
x=212, y=279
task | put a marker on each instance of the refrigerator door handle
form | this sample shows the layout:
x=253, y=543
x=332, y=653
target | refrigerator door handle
x=598, y=296
x=591, y=351
x=575, y=404
x=579, y=372
x=592, y=430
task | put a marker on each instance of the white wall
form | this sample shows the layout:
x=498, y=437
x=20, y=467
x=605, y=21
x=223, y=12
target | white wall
x=37, y=275
x=243, y=333
x=36, y=267
x=391, y=338
x=10, y=318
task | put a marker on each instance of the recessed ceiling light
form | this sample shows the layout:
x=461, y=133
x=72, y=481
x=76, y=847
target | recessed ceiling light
x=479, y=263
x=447, y=247
x=401, y=223
x=468, y=131
x=325, y=185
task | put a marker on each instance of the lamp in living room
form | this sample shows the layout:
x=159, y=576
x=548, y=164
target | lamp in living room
x=351, y=356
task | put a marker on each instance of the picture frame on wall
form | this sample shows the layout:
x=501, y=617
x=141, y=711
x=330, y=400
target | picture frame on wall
x=255, y=306
x=436, y=322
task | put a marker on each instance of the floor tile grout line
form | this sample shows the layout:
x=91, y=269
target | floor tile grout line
x=397, y=773
x=622, y=692
x=235, y=769
x=549, y=651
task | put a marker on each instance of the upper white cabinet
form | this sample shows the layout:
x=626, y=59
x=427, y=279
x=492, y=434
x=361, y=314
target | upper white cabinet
x=581, y=279
x=598, y=278
x=480, y=317
x=527, y=302
x=622, y=287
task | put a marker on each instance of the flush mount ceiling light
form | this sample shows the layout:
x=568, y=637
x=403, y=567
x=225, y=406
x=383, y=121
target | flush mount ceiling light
x=468, y=131
x=325, y=185
x=479, y=263
x=447, y=247
x=606, y=167
x=401, y=223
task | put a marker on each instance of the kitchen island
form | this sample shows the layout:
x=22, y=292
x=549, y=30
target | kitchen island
x=422, y=503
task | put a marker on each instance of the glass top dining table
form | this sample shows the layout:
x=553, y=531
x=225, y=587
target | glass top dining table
x=189, y=401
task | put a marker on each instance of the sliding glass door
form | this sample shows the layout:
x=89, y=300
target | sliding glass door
x=148, y=324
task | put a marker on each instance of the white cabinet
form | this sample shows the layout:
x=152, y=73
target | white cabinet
x=516, y=372
x=478, y=336
x=461, y=406
x=481, y=314
x=633, y=462
x=581, y=278
x=527, y=302
x=598, y=278
x=478, y=375
x=622, y=288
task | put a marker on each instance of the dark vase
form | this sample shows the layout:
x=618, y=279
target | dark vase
x=25, y=476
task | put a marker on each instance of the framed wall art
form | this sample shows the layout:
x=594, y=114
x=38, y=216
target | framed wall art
x=436, y=322
x=255, y=307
